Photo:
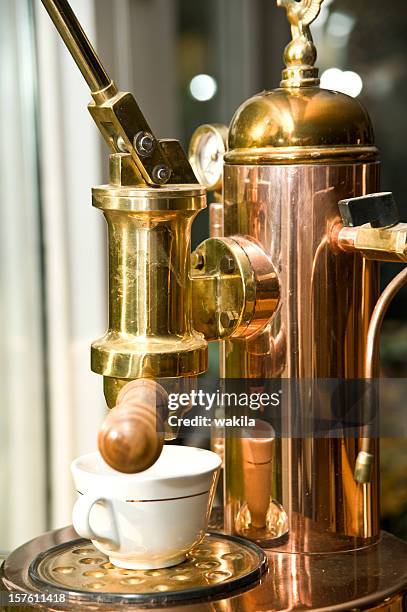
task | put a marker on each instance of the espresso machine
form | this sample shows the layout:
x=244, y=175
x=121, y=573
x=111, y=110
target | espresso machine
x=288, y=284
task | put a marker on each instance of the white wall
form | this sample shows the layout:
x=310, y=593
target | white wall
x=53, y=403
x=22, y=389
x=75, y=255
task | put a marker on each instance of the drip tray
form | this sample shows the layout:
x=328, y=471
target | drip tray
x=219, y=565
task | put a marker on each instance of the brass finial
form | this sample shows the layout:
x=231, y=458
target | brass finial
x=300, y=54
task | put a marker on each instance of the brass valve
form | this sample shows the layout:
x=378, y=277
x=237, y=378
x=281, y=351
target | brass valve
x=371, y=227
x=235, y=288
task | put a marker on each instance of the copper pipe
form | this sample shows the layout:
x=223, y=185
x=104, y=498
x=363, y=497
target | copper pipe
x=364, y=460
x=373, y=337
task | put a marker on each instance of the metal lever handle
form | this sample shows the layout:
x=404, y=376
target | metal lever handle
x=378, y=209
x=117, y=114
x=79, y=46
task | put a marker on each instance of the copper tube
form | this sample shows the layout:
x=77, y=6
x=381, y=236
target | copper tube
x=373, y=337
x=365, y=457
x=344, y=238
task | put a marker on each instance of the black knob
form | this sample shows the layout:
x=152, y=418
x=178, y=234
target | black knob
x=378, y=209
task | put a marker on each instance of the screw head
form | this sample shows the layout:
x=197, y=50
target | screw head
x=197, y=261
x=121, y=145
x=144, y=143
x=161, y=174
x=227, y=264
x=228, y=319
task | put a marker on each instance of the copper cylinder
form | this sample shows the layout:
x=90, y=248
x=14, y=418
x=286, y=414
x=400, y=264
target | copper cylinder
x=293, y=156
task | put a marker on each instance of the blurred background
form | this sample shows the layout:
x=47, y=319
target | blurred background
x=188, y=62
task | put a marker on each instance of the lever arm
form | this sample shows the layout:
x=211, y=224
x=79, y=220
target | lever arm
x=79, y=46
x=117, y=114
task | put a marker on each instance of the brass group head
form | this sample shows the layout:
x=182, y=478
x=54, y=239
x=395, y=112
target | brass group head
x=164, y=304
x=150, y=331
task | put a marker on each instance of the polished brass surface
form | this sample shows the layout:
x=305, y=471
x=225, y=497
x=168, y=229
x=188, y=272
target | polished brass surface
x=120, y=120
x=216, y=219
x=371, y=579
x=150, y=321
x=388, y=244
x=300, y=54
x=235, y=289
x=307, y=126
x=181, y=170
x=318, y=331
x=122, y=171
x=80, y=568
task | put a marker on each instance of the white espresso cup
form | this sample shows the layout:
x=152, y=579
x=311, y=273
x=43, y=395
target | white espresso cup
x=148, y=520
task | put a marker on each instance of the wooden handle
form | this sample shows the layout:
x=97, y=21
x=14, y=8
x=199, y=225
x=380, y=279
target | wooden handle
x=132, y=436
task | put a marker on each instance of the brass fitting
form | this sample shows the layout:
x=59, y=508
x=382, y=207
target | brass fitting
x=388, y=244
x=371, y=226
x=150, y=332
x=235, y=289
x=164, y=304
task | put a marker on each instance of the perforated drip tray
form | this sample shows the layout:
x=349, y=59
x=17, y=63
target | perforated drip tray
x=218, y=566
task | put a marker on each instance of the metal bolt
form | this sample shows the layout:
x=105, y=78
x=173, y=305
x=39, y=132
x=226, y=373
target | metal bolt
x=161, y=174
x=228, y=319
x=227, y=264
x=121, y=145
x=197, y=261
x=144, y=143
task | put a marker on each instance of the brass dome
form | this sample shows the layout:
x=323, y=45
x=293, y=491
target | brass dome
x=307, y=125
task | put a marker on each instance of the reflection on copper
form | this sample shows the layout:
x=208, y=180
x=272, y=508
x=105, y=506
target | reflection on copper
x=318, y=331
x=344, y=238
x=257, y=458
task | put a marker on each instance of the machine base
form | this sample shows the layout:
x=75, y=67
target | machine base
x=374, y=578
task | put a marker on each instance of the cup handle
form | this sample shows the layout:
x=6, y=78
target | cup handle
x=82, y=524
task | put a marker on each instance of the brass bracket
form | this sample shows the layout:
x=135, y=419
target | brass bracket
x=117, y=114
x=235, y=288
x=377, y=244
x=371, y=226
x=121, y=122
